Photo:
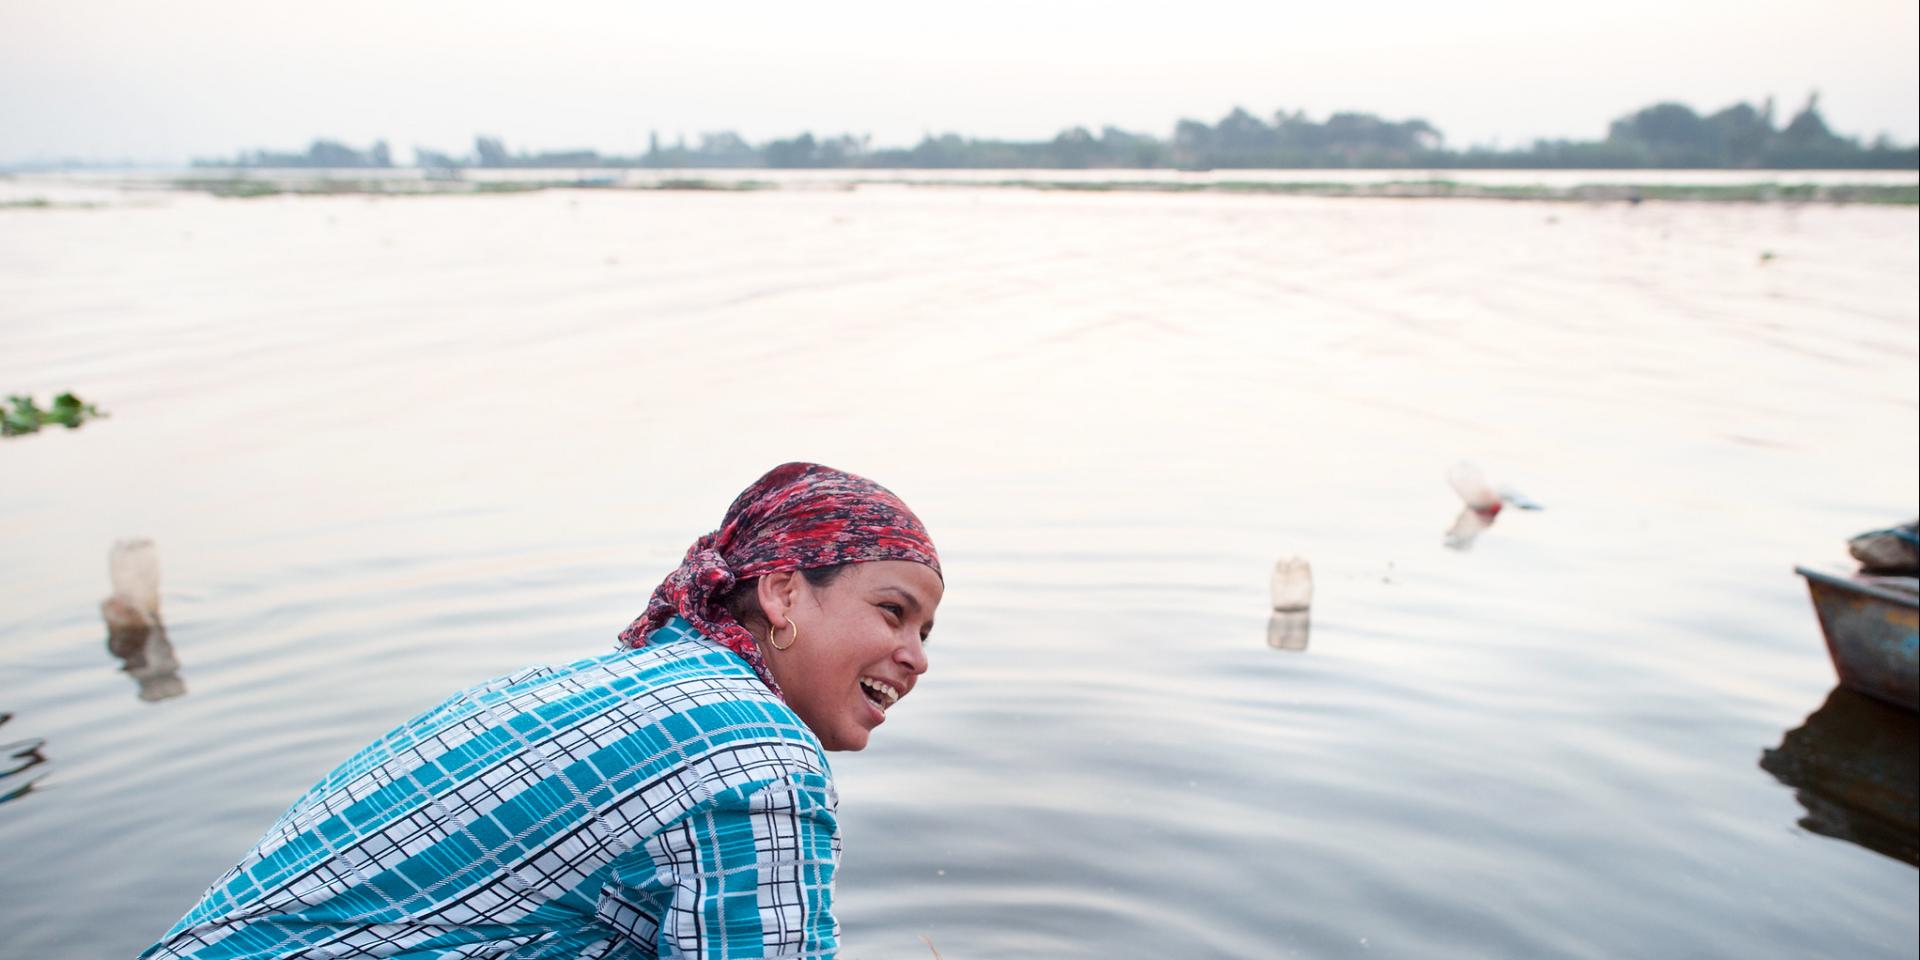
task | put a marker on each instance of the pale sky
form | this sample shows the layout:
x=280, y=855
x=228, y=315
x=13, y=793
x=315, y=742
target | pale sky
x=161, y=82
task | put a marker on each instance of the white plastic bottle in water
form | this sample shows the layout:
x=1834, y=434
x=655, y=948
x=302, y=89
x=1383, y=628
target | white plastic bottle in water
x=134, y=566
x=1292, y=584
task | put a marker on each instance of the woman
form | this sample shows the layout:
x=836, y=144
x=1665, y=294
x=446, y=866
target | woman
x=670, y=799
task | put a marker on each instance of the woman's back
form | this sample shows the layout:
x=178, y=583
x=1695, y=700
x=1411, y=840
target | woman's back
x=658, y=801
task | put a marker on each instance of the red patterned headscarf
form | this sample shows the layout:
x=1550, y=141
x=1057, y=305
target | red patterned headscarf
x=796, y=517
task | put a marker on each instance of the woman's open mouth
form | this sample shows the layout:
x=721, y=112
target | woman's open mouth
x=879, y=693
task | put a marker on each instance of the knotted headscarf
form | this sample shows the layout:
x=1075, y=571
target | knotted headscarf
x=797, y=517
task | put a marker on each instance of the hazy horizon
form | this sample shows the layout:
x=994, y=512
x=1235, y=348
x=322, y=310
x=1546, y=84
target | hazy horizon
x=115, y=81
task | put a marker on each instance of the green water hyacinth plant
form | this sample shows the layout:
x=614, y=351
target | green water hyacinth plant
x=23, y=416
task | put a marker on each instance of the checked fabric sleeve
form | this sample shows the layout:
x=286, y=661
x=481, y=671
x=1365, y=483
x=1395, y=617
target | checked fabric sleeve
x=748, y=873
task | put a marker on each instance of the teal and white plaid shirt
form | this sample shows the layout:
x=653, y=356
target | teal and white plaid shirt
x=658, y=802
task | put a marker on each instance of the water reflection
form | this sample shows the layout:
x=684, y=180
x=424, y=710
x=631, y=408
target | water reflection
x=1855, y=766
x=1287, y=629
x=19, y=757
x=135, y=633
x=1468, y=526
x=1292, y=588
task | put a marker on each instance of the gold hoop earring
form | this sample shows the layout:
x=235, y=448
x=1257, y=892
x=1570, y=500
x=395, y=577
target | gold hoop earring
x=773, y=632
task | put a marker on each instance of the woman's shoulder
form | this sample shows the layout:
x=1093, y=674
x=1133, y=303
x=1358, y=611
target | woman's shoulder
x=680, y=688
x=678, y=656
x=694, y=689
x=687, y=696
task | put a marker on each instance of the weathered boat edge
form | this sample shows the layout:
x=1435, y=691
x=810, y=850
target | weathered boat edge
x=1872, y=634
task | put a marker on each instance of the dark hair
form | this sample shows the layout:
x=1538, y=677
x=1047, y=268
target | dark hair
x=743, y=602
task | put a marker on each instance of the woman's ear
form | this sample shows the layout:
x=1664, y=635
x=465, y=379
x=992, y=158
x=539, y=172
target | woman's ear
x=778, y=592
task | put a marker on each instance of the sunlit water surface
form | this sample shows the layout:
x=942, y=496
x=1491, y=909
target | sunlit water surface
x=389, y=447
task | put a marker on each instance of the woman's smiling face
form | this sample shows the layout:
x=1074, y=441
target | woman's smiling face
x=860, y=646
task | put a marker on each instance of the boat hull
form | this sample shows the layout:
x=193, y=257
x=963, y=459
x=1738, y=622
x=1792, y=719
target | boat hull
x=1873, y=636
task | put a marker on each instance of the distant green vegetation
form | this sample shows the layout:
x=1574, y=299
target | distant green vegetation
x=1672, y=136
x=1661, y=136
x=245, y=187
x=693, y=184
x=1908, y=194
x=22, y=415
x=42, y=203
x=327, y=154
x=229, y=186
x=1432, y=188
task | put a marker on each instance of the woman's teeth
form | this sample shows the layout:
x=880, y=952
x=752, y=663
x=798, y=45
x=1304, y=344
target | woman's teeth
x=879, y=693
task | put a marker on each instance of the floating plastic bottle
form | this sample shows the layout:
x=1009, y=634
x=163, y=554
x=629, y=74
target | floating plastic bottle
x=134, y=568
x=1292, y=584
x=135, y=633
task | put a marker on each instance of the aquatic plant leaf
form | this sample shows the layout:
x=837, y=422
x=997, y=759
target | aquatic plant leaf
x=20, y=416
x=23, y=415
x=69, y=411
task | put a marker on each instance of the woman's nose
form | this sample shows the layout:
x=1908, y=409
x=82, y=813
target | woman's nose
x=913, y=655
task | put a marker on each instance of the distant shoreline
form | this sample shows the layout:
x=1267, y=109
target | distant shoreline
x=1784, y=189
x=1898, y=188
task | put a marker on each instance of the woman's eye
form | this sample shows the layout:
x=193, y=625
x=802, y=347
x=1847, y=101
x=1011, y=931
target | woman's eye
x=894, y=609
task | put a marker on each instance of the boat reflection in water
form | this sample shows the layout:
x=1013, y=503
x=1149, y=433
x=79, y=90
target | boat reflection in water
x=16, y=759
x=135, y=632
x=1855, y=767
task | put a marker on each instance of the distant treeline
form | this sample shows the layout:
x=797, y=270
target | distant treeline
x=1665, y=135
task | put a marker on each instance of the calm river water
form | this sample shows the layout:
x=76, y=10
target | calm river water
x=389, y=447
